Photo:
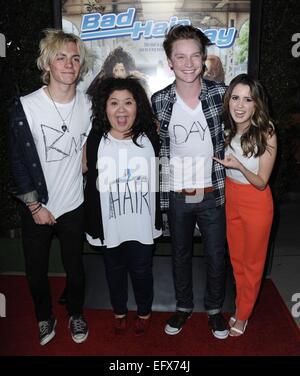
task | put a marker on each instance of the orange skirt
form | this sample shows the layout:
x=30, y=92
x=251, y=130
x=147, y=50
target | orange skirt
x=249, y=216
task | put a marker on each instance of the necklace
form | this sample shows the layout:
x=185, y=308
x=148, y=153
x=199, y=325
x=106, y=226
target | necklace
x=64, y=124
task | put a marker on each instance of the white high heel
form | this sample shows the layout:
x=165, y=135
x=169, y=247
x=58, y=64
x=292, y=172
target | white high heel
x=239, y=331
x=231, y=321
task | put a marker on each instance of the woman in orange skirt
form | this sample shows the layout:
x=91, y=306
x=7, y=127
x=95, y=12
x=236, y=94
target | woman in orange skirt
x=250, y=153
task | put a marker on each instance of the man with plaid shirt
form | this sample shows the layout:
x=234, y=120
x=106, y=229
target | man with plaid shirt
x=191, y=183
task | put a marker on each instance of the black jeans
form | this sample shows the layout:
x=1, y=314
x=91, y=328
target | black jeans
x=136, y=259
x=182, y=217
x=36, y=245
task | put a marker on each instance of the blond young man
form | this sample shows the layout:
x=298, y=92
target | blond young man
x=48, y=130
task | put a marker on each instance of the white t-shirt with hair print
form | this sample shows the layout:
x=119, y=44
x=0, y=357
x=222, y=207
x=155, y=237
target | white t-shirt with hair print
x=127, y=185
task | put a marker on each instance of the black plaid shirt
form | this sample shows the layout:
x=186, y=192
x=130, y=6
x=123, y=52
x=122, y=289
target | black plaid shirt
x=211, y=98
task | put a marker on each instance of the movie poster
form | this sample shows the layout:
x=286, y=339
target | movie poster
x=133, y=31
x=126, y=38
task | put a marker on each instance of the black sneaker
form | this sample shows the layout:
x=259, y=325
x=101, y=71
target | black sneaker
x=176, y=322
x=218, y=325
x=47, y=330
x=79, y=328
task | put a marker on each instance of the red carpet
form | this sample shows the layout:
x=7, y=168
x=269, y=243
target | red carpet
x=271, y=330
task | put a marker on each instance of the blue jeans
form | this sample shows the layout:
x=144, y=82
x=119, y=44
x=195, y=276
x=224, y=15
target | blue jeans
x=136, y=259
x=182, y=217
x=36, y=241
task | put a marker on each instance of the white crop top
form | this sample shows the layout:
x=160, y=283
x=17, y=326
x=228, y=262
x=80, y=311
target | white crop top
x=251, y=163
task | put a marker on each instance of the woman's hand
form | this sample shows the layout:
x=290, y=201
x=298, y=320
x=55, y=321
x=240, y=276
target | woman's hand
x=230, y=161
x=266, y=163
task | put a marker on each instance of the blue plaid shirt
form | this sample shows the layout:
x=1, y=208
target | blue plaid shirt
x=211, y=98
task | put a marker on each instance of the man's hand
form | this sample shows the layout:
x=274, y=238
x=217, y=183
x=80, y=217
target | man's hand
x=41, y=215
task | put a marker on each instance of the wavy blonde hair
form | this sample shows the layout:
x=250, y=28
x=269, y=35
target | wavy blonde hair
x=52, y=43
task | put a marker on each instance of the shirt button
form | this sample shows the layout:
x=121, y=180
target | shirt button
x=39, y=183
x=43, y=200
x=21, y=123
x=28, y=144
x=33, y=164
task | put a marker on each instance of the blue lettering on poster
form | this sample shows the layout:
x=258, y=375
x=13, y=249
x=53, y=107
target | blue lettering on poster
x=96, y=26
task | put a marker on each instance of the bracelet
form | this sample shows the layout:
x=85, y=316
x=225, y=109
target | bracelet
x=37, y=209
x=32, y=203
x=37, y=205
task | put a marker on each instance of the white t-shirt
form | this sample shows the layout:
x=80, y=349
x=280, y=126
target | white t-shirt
x=60, y=152
x=127, y=185
x=191, y=148
x=252, y=163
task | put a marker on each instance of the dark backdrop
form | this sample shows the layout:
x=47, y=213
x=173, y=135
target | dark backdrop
x=22, y=22
x=279, y=71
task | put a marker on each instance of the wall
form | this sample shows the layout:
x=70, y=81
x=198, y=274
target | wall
x=279, y=71
x=21, y=22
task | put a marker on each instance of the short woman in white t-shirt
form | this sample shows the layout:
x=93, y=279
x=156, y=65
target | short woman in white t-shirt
x=122, y=210
x=250, y=153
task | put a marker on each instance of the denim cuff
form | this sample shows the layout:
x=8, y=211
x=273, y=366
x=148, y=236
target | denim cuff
x=188, y=310
x=213, y=311
x=28, y=197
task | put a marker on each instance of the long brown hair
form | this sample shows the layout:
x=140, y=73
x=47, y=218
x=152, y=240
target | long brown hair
x=255, y=140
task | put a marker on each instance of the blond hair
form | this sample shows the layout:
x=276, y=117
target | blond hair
x=52, y=43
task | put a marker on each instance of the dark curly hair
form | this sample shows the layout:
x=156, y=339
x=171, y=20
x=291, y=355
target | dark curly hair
x=145, y=122
x=255, y=140
x=118, y=55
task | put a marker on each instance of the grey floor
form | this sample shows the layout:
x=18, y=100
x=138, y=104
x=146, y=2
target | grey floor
x=97, y=293
x=284, y=271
